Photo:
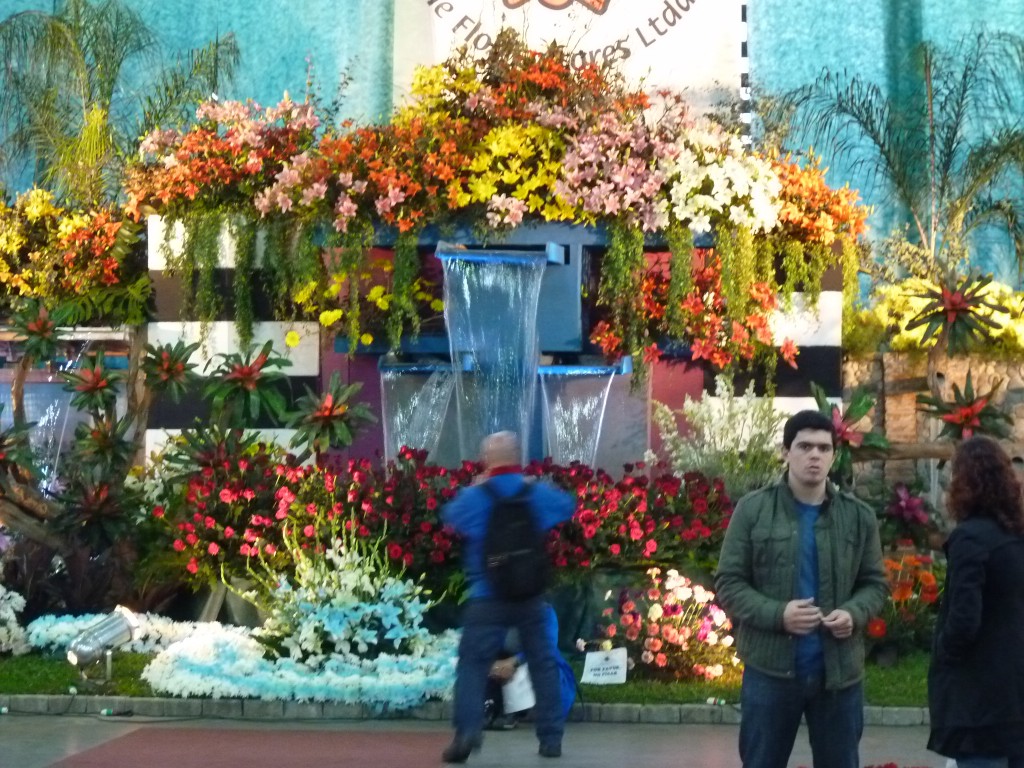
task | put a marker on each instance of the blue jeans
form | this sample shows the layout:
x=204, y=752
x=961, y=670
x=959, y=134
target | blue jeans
x=484, y=626
x=983, y=761
x=771, y=708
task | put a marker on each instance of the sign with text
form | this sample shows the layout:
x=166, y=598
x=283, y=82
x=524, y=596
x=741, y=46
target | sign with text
x=691, y=45
x=605, y=667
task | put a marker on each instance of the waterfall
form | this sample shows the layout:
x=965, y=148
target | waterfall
x=491, y=300
x=574, y=400
x=414, y=406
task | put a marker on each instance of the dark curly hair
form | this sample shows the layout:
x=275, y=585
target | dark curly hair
x=985, y=484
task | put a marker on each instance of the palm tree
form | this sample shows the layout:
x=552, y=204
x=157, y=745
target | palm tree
x=948, y=159
x=72, y=103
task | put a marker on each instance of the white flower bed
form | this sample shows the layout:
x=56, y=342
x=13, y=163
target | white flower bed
x=207, y=659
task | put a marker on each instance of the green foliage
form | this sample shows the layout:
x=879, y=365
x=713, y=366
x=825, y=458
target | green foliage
x=37, y=326
x=329, y=419
x=849, y=441
x=732, y=438
x=168, y=369
x=94, y=387
x=967, y=414
x=954, y=312
x=243, y=385
x=63, y=98
x=15, y=451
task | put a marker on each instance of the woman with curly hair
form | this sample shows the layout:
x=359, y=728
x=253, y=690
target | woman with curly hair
x=976, y=678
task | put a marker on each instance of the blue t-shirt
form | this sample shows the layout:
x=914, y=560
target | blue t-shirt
x=810, y=658
x=470, y=512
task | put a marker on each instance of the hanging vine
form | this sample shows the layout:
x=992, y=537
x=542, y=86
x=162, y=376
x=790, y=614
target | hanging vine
x=402, y=307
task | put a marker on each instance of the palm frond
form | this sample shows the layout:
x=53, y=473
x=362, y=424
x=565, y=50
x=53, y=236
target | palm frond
x=188, y=82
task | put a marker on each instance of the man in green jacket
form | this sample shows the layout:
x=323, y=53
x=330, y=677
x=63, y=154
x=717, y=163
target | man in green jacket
x=800, y=574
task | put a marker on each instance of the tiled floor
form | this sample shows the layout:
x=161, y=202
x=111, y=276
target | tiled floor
x=37, y=741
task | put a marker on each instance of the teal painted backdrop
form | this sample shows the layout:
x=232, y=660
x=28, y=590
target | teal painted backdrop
x=276, y=37
x=791, y=41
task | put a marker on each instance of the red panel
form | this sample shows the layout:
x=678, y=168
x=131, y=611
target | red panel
x=671, y=382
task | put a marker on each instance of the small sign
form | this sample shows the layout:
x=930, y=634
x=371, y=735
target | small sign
x=517, y=693
x=605, y=667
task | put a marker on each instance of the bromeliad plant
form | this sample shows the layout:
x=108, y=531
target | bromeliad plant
x=958, y=312
x=328, y=420
x=967, y=414
x=849, y=440
x=243, y=385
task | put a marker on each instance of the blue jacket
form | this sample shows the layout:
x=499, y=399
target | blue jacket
x=469, y=513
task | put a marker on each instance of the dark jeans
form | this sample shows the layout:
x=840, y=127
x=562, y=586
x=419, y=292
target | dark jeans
x=484, y=626
x=771, y=709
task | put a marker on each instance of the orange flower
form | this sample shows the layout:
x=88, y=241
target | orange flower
x=876, y=628
x=902, y=591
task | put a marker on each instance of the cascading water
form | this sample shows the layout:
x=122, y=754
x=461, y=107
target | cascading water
x=48, y=408
x=490, y=310
x=574, y=399
x=414, y=404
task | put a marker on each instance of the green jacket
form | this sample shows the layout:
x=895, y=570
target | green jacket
x=758, y=574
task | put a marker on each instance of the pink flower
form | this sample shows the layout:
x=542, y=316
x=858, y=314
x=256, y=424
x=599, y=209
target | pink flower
x=214, y=548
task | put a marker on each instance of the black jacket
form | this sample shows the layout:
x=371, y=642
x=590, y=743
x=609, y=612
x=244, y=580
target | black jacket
x=976, y=678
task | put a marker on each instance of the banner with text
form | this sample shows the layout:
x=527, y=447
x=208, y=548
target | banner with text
x=691, y=45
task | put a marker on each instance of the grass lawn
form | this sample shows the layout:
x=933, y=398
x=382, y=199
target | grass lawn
x=903, y=685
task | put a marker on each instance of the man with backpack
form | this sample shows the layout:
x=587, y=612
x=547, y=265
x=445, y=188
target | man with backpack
x=504, y=520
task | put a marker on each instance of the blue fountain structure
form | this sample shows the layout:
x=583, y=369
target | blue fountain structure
x=501, y=305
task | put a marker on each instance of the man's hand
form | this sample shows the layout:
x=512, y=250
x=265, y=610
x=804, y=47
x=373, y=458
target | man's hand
x=839, y=623
x=801, y=617
x=503, y=669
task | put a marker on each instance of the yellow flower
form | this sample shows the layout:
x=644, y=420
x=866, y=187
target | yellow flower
x=437, y=305
x=292, y=339
x=330, y=316
x=305, y=293
x=37, y=203
x=71, y=224
x=375, y=293
x=366, y=339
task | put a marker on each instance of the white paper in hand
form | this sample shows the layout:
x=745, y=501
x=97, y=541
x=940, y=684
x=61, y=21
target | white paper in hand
x=517, y=693
x=605, y=667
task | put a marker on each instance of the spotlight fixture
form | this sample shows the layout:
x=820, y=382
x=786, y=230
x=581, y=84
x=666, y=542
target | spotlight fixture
x=99, y=641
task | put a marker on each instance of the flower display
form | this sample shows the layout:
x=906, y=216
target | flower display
x=51, y=253
x=967, y=413
x=494, y=140
x=641, y=519
x=340, y=596
x=812, y=211
x=13, y=638
x=908, y=618
x=226, y=161
x=672, y=629
x=712, y=181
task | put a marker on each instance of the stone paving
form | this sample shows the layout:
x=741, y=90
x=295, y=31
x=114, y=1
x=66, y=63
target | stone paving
x=40, y=730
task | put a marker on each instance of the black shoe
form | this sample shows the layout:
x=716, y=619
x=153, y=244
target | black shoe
x=458, y=751
x=503, y=723
x=550, y=750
